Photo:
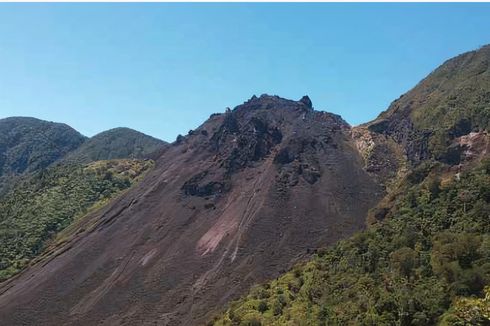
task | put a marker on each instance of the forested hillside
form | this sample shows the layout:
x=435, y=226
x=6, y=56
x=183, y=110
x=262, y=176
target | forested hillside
x=50, y=175
x=453, y=101
x=37, y=209
x=114, y=144
x=426, y=263
x=29, y=144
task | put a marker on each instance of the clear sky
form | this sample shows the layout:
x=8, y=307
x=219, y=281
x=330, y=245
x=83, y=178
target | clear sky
x=164, y=68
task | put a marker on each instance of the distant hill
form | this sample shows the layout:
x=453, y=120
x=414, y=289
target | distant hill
x=52, y=175
x=29, y=144
x=114, y=144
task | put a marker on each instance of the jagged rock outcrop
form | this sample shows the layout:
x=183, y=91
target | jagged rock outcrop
x=426, y=122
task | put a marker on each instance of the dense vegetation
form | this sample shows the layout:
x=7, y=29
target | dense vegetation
x=456, y=95
x=426, y=263
x=28, y=144
x=37, y=209
x=114, y=144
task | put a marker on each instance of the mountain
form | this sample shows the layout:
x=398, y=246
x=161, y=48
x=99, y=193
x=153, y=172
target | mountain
x=449, y=103
x=275, y=213
x=233, y=203
x=29, y=144
x=425, y=258
x=444, y=118
x=54, y=176
x=114, y=144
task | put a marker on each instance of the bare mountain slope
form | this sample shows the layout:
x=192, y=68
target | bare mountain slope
x=234, y=203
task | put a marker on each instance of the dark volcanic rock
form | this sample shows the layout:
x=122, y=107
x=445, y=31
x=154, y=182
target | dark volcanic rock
x=197, y=186
x=449, y=103
x=414, y=141
x=306, y=101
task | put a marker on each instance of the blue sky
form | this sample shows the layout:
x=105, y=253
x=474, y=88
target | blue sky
x=164, y=68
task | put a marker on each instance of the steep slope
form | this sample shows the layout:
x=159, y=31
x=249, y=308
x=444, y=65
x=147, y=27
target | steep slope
x=428, y=121
x=51, y=179
x=114, y=144
x=32, y=214
x=235, y=202
x=425, y=260
x=29, y=144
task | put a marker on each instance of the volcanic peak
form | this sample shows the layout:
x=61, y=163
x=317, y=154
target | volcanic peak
x=266, y=101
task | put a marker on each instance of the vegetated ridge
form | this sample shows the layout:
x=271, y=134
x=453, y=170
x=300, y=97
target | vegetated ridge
x=29, y=144
x=114, y=144
x=43, y=194
x=34, y=212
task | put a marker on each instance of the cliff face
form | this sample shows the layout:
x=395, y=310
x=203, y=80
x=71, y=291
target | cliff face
x=429, y=121
x=233, y=203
